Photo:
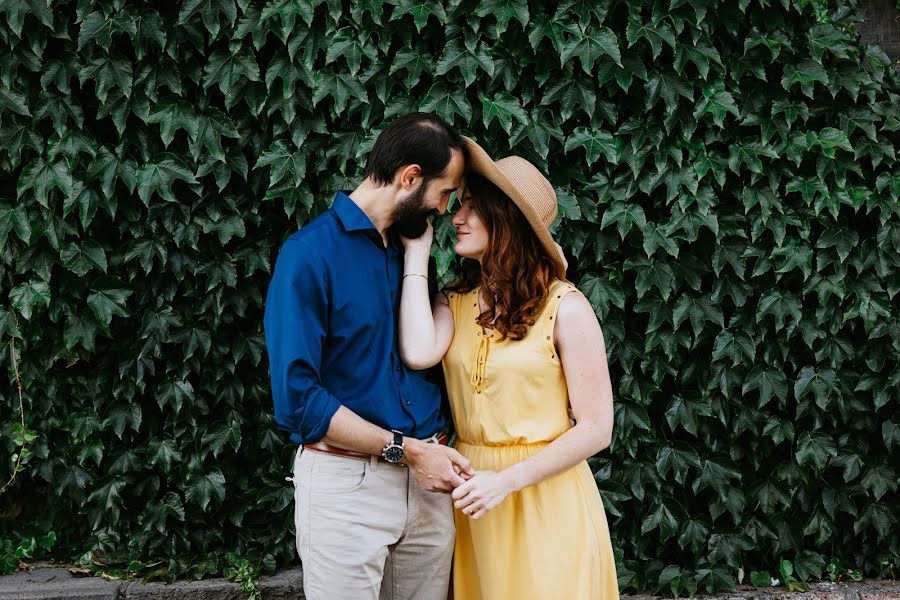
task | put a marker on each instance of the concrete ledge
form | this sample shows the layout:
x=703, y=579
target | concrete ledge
x=56, y=583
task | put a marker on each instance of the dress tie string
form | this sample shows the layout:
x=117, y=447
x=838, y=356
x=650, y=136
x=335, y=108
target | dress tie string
x=478, y=367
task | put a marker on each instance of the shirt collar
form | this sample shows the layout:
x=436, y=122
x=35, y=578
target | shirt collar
x=350, y=215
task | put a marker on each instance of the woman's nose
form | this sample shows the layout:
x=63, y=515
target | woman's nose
x=457, y=219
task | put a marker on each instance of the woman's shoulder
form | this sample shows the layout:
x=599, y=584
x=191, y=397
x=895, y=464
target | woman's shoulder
x=559, y=289
x=452, y=298
x=567, y=302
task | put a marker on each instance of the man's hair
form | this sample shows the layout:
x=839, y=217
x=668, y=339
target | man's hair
x=423, y=139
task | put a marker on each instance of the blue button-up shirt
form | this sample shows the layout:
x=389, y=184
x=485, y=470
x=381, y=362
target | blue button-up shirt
x=331, y=318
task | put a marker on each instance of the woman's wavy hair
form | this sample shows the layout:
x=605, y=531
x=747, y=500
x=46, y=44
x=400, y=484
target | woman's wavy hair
x=515, y=272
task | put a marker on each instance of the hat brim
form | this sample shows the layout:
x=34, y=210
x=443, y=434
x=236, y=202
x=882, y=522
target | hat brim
x=481, y=163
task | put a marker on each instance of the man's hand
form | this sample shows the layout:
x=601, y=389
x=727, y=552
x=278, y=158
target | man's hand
x=437, y=468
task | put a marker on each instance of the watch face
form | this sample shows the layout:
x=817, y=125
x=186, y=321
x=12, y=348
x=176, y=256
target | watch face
x=393, y=454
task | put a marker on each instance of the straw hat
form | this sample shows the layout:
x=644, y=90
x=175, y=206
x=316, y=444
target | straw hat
x=527, y=188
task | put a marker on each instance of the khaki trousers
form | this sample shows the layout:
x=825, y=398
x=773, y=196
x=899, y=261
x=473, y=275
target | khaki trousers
x=367, y=531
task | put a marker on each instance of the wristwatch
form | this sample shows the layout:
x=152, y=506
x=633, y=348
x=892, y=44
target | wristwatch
x=393, y=452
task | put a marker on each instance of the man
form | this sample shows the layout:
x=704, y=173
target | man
x=372, y=509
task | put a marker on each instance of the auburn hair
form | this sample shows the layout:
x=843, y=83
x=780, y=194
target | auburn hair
x=515, y=272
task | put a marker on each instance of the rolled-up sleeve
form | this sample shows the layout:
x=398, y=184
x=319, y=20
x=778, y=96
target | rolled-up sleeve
x=296, y=325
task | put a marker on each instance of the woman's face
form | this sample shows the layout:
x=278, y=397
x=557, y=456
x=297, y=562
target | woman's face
x=471, y=232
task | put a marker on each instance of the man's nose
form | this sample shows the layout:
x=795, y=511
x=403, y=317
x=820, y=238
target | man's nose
x=442, y=206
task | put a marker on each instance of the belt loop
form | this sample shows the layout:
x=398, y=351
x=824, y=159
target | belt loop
x=373, y=463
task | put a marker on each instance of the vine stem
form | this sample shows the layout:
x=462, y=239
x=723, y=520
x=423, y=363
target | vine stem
x=12, y=344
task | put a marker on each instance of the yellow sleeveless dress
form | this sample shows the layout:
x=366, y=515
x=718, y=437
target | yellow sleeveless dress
x=509, y=400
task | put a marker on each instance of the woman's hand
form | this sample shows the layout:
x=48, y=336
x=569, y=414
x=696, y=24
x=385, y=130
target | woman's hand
x=484, y=491
x=420, y=245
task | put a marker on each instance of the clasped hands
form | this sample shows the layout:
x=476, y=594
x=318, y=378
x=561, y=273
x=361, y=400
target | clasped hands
x=442, y=469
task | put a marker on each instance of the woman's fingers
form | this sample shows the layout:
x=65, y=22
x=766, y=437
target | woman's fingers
x=465, y=501
x=461, y=490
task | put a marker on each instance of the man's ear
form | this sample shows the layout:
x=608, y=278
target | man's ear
x=409, y=175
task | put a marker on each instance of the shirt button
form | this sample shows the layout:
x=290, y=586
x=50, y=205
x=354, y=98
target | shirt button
x=397, y=369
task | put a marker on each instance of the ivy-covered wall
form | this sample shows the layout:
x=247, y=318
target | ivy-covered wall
x=728, y=185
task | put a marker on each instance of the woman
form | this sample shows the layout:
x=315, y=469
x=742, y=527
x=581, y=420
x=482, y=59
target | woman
x=519, y=344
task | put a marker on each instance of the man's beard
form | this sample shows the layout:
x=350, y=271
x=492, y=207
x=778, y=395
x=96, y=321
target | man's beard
x=410, y=216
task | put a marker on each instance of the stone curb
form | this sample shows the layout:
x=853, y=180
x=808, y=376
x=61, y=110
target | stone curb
x=55, y=583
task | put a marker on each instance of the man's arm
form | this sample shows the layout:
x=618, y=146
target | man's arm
x=296, y=325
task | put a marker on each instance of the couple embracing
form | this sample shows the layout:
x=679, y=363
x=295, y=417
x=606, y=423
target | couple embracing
x=355, y=327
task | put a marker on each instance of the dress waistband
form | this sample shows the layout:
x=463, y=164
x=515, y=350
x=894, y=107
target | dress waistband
x=502, y=444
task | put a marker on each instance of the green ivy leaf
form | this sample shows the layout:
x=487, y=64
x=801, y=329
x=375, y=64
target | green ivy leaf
x=590, y=45
x=172, y=115
x=163, y=453
x=16, y=220
x=821, y=383
x=699, y=310
x=702, y=55
x=504, y=107
x=13, y=101
x=108, y=74
x=353, y=47
x=226, y=69
x=420, y=11
x=602, y=294
x=227, y=433
x=553, y=29
x=718, y=106
x=806, y=73
x=447, y=103
x=283, y=161
x=815, y=448
x=342, y=87
x=81, y=258
x=655, y=34
x=25, y=296
x=80, y=330
x=469, y=60
x=504, y=11
x=716, y=474
x=107, y=299
x=414, y=63
x=826, y=36
x=770, y=383
x=174, y=394
x=159, y=176
x=205, y=488
x=209, y=11
x=670, y=87
x=41, y=177
x=100, y=28
x=17, y=10
x=594, y=142
x=739, y=348
x=660, y=518
x=831, y=138
x=624, y=215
